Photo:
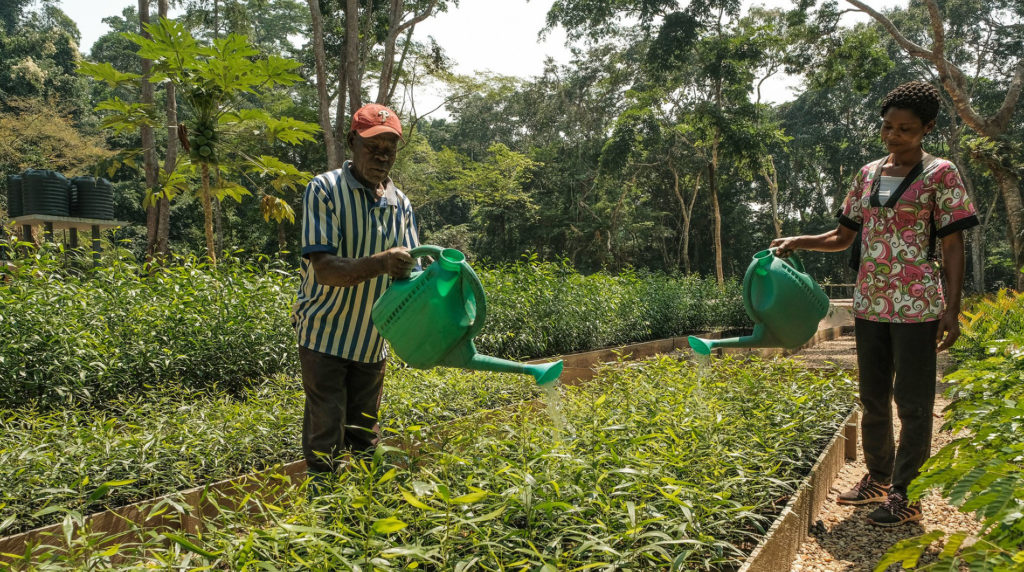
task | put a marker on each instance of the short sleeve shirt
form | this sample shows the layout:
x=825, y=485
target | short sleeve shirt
x=344, y=218
x=896, y=281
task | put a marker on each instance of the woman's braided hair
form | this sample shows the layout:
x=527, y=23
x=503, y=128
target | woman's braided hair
x=919, y=97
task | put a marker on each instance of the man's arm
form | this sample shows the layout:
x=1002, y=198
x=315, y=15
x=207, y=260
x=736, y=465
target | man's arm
x=953, y=269
x=835, y=240
x=334, y=270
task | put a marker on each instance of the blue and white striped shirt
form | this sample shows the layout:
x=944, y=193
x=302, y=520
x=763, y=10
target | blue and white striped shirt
x=341, y=216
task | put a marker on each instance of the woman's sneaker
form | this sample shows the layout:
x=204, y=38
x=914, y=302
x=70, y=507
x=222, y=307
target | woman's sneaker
x=866, y=491
x=895, y=511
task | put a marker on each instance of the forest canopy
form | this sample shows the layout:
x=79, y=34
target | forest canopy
x=653, y=147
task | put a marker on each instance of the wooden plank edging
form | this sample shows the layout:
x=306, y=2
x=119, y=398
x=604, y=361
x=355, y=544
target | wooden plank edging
x=778, y=549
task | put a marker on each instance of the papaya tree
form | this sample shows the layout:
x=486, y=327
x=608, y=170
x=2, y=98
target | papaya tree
x=219, y=84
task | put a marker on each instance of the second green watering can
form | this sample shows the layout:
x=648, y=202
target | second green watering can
x=784, y=302
x=431, y=318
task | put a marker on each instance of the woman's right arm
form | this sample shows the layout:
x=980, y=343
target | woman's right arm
x=834, y=240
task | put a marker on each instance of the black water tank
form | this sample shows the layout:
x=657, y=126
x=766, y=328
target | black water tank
x=94, y=198
x=45, y=192
x=14, y=208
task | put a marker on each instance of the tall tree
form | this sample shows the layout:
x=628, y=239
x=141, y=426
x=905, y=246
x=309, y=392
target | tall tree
x=213, y=80
x=163, y=204
x=376, y=40
x=323, y=99
x=148, y=139
x=705, y=40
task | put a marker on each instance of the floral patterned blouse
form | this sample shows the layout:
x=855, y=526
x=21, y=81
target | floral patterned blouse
x=896, y=281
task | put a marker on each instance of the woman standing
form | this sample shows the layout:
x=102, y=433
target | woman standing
x=901, y=204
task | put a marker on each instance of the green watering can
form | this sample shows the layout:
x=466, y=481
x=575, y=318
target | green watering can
x=784, y=302
x=431, y=318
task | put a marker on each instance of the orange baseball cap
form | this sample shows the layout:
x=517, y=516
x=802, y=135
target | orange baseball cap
x=374, y=119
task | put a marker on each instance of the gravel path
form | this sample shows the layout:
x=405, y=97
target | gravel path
x=842, y=539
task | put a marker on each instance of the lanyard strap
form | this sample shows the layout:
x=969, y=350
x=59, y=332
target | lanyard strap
x=906, y=182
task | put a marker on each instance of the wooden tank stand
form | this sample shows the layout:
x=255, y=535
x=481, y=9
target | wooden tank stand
x=71, y=224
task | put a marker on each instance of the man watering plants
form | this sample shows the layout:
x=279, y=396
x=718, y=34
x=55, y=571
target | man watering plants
x=905, y=303
x=357, y=229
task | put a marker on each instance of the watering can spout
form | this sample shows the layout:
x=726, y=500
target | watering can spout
x=465, y=356
x=759, y=338
x=543, y=373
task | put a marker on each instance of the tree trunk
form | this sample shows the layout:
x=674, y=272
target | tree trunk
x=218, y=225
x=687, y=212
x=163, y=245
x=396, y=28
x=388, y=61
x=713, y=184
x=352, y=75
x=772, y=177
x=341, y=117
x=1009, y=187
x=320, y=55
x=148, y=140
x=977, y=235
x=211, y=249
x=719, y=270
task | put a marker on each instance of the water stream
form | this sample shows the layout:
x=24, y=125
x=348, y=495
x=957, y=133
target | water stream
x=553, y=399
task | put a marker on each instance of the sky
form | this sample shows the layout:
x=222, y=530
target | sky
x=507, y=44
x=511, y=48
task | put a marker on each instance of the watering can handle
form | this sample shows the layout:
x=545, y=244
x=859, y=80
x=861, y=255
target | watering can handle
x=793, y=260
x=426, y=250
x=480, y=298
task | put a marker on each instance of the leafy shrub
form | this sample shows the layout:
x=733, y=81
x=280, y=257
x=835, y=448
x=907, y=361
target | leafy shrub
x=81, y=337
x=148, y=446
x=986, y=320
x=647, y=475
x=541, y=308
x=980, y=471
x=85, y=336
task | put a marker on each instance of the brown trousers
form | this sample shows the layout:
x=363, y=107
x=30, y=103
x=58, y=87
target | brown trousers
x=342, y=401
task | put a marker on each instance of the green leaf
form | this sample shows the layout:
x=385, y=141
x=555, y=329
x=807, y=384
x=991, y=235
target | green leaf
x=411, y=499
x=47, y=510
x=188, y=545
x=227, y=189
x=387, y=476
x=476, y=496
x=489, y=516
x=106, y=72
x=277, y=70
x=908, y=551
x=952, y=544
x=127, y=117
x=388, y=525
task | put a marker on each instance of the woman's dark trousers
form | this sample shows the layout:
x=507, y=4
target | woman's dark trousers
x=896, y=362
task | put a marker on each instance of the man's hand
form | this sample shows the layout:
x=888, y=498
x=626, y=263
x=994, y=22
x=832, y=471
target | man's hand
x=949, y=331
x=397, y=262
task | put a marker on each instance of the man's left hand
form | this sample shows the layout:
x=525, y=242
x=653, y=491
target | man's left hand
x=949, y=331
